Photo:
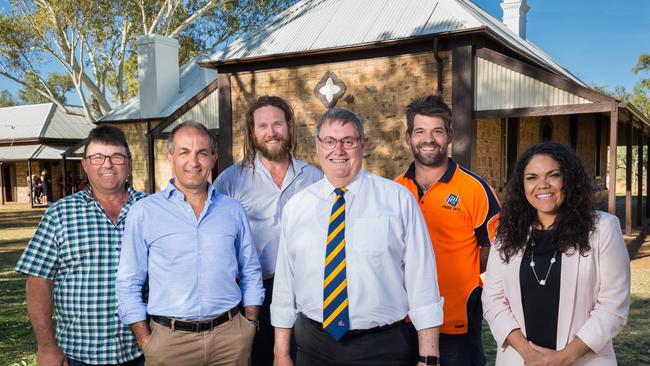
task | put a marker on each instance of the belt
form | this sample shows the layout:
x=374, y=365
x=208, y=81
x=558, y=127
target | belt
x=195, y=326
x=359, y=332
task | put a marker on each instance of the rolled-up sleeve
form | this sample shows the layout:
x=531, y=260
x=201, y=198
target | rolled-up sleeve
x=421, y=280
x=283, y=304
x=250, y=271
x=132, y=269
x=610, y=312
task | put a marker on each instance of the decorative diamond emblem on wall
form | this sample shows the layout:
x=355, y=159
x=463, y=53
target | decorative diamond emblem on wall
x=329, y=89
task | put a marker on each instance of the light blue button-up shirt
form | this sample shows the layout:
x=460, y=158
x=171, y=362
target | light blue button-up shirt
x=192, y=264
x=264, y=200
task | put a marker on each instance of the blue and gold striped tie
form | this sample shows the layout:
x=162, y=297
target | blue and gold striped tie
x=336, y=319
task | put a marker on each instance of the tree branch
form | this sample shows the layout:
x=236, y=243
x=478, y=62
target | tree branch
x=210, y=5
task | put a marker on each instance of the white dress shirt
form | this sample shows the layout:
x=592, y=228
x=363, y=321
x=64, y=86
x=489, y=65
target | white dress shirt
x=389, y=259
x=264, y=201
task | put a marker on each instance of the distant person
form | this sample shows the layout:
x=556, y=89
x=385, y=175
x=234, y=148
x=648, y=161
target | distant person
x=72, y=259
x=194, y=247
x=263, y=182
x=557, y=286
x=37, y=188
x=461, y=211
x=46, y=187
x=354, y=260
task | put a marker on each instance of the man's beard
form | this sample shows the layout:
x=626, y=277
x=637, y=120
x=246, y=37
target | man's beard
x=279, y=154
x=432, y=160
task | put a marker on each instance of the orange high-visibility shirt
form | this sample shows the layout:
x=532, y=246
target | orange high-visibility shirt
x=461, y=211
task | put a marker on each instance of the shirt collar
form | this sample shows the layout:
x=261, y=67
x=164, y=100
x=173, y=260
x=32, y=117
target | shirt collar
x=353, y=187
x=449, y=173
x=88, y=196
x=171, y=190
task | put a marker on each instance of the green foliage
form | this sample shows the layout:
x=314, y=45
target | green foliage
x=6, y=99
x=93, y=42
x=58, y=83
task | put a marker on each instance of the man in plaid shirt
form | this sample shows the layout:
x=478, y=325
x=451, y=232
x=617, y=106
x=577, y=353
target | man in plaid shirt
x=72, y=259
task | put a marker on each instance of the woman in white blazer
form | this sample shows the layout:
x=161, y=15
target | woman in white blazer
x=557, y=284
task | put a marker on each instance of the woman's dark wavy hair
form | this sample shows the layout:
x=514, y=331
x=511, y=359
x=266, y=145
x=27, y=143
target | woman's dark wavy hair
x=576, y=218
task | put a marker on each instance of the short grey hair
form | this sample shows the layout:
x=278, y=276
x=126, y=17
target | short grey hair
x=196, y=125
x=343, y=115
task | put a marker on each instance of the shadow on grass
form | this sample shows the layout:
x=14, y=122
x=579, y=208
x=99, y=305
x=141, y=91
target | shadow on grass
x=16, y=338
x=20, y=219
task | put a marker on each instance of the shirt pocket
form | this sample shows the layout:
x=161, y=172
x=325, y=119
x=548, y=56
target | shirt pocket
x=368, y=235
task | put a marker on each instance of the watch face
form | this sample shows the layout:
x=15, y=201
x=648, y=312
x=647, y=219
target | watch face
x=429, y=360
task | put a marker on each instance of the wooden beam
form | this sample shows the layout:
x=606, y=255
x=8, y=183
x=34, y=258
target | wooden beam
x=31, y=186
x=545, y=111
x=151, y=166
x=2, y=184
x=462, y=100
x=64, y=179
x=647, y=179
x=628, y=179
x=224, y=138
x=346, y=53
x=541, y=75
x=639, y=178
x=613, y=145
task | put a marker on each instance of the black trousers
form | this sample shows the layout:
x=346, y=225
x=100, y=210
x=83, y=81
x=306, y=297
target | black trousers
x=391, y=346
x=262, y=354
x=462, y=349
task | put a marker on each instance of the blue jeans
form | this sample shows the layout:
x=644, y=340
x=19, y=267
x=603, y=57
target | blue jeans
x=135, y=362
x=462, y=349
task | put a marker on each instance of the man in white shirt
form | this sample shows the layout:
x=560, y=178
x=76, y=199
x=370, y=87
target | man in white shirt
x=354, y=260
x=263, y=182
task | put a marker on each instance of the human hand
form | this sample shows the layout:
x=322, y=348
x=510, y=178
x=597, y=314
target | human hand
x=51, y=356
x=548, y=357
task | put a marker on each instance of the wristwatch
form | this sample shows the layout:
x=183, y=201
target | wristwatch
x=428, y=360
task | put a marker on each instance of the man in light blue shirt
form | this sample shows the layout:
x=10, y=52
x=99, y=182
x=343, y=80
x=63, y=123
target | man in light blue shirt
x=263, y=182
x=193, y=244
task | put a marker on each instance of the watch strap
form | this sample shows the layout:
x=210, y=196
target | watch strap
x=428, y=360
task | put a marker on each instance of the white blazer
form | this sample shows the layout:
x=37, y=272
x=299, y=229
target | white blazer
x=594, y=296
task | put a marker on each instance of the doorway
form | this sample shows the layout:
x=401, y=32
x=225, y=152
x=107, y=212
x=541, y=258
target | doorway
x=9, y=182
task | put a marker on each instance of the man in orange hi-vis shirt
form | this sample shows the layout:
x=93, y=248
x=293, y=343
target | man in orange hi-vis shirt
x=461, y=211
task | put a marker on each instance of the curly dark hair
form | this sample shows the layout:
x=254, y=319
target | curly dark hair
x=249, y=137
x=430, y=106
x=576, y=218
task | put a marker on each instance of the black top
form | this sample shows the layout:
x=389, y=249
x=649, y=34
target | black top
x=541, y=302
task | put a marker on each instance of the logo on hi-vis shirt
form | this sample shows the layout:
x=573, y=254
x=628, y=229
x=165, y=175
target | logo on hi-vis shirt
x=452, y=199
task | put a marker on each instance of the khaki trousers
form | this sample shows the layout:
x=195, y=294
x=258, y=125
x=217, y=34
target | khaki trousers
x=229, y=344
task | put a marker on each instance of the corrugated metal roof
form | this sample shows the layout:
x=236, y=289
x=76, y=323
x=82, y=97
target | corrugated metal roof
x=68, y=126
x=42, y=121
x=193, y=79
x=312, y=25
x=25, y=121
x=32, y=152
x=498, y=87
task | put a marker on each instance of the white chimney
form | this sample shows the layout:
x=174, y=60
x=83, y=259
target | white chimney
x=514, y=16
x=158, y=73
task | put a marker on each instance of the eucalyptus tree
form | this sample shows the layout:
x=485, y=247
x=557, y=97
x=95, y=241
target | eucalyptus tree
x=92, y=42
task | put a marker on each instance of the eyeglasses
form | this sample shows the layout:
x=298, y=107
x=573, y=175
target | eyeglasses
x=99, y=159
x=348, y=143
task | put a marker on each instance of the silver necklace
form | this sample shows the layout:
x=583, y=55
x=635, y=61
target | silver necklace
x=532, y=264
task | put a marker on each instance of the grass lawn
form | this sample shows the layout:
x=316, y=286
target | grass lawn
x=17, y=345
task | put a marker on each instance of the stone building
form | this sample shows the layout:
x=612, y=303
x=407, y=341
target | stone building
x=375, y=56
x=32, y=140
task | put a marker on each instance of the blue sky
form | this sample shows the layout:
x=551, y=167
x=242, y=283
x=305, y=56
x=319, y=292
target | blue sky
x=599, y=41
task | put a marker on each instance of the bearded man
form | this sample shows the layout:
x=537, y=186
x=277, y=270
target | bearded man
x=263, y=182
x=461, y=211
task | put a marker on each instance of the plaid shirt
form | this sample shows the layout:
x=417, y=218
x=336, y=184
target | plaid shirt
x=77, y=247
